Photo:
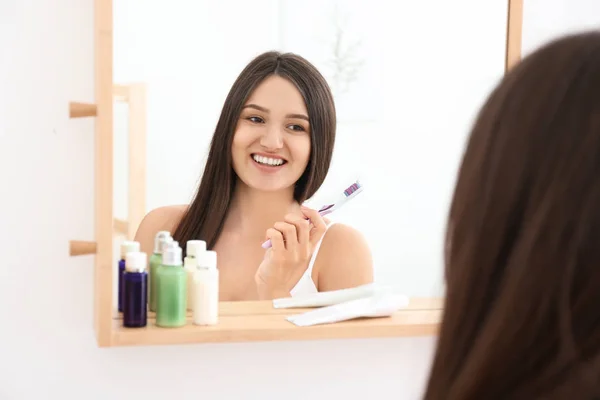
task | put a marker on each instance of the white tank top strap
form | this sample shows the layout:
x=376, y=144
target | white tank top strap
x=306, y=285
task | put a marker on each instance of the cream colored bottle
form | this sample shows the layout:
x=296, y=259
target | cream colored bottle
x=194, y=249
x=206, y=290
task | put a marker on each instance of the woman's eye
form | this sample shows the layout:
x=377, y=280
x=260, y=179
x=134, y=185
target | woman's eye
x=256, y=120
x=297, y=128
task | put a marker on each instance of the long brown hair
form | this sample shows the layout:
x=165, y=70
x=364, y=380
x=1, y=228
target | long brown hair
x=205, y=216
x=522, y=309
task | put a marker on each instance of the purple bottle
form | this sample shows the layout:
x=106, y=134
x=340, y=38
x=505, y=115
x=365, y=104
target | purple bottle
x=126, y=247
x=135, y=293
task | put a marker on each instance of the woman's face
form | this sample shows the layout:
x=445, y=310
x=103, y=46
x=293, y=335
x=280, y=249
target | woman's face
x=271, y=143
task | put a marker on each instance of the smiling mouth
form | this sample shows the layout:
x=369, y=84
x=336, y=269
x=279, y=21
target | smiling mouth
x=268, y=161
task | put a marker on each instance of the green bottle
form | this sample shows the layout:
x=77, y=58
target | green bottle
x=160, y=240
x=171, y=284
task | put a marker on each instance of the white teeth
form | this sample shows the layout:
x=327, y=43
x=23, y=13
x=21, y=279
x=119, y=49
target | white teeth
x=267, y=160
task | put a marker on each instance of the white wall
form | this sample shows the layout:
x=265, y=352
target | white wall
x=545, y=20
x=47, y=349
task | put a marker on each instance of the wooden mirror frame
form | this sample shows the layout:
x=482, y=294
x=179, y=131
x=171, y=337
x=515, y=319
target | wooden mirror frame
x=238, y=321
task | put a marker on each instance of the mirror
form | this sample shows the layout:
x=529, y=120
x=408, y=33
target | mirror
x=407, y=79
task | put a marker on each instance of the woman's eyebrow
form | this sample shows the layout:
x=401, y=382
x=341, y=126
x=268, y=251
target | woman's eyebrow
x=266, y=110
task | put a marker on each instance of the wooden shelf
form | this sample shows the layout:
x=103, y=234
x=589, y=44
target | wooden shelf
x=258, y=321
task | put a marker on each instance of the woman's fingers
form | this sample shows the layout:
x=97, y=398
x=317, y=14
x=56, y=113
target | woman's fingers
x=319, y=226
x=299, y=230
x=302, y=227
x=289, y=233
x=276, y=238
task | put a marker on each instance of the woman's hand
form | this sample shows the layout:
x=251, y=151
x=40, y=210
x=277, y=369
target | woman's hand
x=293, y=242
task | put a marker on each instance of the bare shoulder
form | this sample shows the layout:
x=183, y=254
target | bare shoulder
x=160, y=219
x=344, y=259
x=343, y=237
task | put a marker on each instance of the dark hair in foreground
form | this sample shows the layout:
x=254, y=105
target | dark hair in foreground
x=522, y=309
x=205, y=216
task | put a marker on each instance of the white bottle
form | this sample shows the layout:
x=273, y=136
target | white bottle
x=193, y=250
x=206, y=290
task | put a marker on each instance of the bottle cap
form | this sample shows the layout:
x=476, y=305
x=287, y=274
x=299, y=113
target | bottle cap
x=195, y=247
x=207, y=260
x=163, y=243
x=172, y=254
x=128, y=246
x=136, y=261
x=160, y=237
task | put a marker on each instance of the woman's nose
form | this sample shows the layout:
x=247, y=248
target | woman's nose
x=272, y=138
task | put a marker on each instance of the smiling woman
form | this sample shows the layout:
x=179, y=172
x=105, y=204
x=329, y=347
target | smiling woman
x=270, y=151
x=271, y=145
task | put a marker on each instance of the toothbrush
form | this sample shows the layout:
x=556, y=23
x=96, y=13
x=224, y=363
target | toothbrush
x=350, y=193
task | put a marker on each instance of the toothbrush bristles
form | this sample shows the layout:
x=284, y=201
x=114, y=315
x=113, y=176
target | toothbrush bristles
x=355, y=186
